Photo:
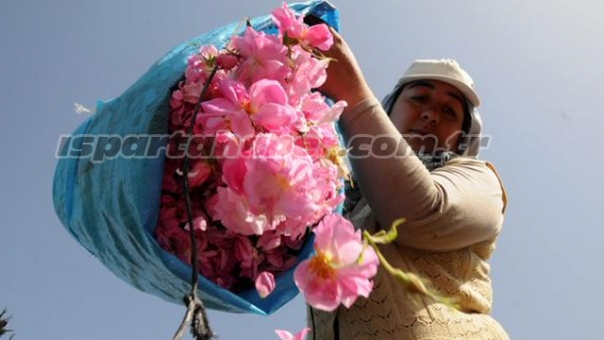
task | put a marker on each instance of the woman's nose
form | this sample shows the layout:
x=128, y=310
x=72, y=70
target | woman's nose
x=430, y=115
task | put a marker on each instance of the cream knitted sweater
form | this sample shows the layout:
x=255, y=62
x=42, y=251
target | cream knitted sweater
x=454, y=215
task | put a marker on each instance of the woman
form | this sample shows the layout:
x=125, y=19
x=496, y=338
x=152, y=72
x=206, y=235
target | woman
x=453, y=203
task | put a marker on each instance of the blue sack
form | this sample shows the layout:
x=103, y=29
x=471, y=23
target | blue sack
x=110, y=204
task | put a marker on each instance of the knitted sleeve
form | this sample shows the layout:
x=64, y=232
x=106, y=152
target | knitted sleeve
x=452, y=207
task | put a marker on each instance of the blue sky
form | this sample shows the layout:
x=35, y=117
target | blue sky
x=538, y=66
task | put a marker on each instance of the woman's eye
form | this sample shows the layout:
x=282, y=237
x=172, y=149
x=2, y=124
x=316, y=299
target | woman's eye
x=450, y=112
x=420, y=99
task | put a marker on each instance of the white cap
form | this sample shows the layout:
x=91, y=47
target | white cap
x=445, y=70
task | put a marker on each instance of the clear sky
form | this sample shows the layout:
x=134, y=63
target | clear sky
x=538, y=65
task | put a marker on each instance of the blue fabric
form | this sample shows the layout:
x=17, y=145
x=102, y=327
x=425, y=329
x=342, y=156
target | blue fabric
x=111, y=207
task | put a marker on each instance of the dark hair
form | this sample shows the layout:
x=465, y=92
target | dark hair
x=393, y=98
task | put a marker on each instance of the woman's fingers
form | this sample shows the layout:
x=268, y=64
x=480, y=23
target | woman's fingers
x=345, y=79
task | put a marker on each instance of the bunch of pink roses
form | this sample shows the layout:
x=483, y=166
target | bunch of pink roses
x=265, y=156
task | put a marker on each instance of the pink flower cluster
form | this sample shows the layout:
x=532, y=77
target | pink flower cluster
x=341, y=270
x=274, y=169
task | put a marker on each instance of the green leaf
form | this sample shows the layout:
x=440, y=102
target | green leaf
x=385, y=237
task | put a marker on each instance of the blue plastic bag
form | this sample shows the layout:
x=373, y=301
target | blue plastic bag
x=111, y=204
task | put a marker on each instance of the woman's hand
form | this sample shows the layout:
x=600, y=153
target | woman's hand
x=345, y=79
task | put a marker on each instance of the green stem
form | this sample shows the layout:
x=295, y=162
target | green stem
x=412, y=283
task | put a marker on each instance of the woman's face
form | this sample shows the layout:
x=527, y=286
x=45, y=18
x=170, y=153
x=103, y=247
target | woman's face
x=429, y=114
